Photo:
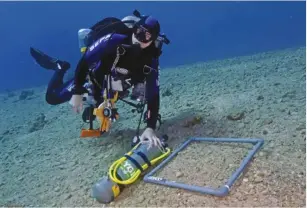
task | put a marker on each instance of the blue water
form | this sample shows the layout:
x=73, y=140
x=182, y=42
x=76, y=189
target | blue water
x=199, y=31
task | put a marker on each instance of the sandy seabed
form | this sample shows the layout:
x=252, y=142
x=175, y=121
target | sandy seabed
x=45, y=163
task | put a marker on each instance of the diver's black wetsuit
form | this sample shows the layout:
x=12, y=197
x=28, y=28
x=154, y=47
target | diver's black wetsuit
x=57, y=91
x=141, y=66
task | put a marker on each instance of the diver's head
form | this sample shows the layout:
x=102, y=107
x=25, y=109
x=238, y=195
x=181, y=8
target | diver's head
x=146, y=31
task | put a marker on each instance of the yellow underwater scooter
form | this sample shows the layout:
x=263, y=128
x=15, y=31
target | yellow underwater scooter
x=128, y=169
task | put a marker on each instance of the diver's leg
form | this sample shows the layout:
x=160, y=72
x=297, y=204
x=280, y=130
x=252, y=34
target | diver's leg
x=57, y=91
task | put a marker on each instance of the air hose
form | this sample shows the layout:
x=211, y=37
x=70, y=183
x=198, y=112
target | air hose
x=127, y=170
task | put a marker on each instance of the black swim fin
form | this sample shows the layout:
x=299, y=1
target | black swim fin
x=48, y=62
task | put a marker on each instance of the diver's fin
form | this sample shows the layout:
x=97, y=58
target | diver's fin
x=48, y=62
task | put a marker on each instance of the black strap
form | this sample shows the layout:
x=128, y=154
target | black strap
x=143, y=156
x=140, y=120
x=134, y=162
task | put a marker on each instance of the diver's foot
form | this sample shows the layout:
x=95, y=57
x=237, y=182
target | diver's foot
x=63, y=65
x=48, y=62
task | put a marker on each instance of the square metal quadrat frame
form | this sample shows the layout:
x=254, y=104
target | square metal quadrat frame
x=222, y=190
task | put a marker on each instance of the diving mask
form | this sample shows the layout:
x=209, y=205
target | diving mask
x=142, y=35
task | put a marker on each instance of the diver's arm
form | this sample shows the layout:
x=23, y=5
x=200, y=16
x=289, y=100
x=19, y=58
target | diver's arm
x=153, y=94
x=80, y=76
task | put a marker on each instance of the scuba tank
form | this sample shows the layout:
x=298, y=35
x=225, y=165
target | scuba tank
x=126, y=170
x=85, y=39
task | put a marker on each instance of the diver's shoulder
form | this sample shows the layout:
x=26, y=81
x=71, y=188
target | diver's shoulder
x=117, y=36
x=112, y=37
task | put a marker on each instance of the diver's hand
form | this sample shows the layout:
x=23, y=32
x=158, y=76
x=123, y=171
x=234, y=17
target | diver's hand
x=149, y=137
x=77, y=102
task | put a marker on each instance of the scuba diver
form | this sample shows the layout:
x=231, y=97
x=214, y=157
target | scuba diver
x=112, y=62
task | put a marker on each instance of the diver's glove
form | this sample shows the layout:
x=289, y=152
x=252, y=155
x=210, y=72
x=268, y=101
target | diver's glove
x=77, y=102
x=149, y=137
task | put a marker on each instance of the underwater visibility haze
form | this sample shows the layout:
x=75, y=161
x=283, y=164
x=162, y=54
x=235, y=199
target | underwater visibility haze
x=199, y=31
x=232, y=70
